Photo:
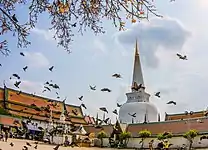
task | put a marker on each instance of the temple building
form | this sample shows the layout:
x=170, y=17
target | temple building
x=43, y=111
x=138, y=100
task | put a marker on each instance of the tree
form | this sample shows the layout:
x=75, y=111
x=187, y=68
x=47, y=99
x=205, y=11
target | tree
x=100, y=136
x=124, y=138
x=144, y=134
x=165, y=135
x=190, y=135
x=68, y=14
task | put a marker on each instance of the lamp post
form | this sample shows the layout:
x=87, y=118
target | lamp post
x=188, y=120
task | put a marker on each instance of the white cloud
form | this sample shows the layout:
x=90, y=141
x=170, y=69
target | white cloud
x=99, y=47
x=36, y=59
x=47, y=34
x=168, y=34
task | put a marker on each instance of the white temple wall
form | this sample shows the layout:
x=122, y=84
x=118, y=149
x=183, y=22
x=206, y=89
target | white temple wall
x=176, y=141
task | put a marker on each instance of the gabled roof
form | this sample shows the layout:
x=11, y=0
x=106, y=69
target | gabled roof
x=176, y=127
x=20, y=104
x=9, y=121
x=180, y=116
x=108, y=129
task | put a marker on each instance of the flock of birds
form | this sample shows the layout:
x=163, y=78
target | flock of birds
x=49, y=85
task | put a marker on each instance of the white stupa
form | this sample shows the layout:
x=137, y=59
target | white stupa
x=138, y=101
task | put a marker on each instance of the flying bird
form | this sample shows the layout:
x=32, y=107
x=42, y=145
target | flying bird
x=182, y=57
x=103, y=109
x=16, y=75
x=105, y=90
x=93, y=88
x=51, y=68
x=119, y=105
x=14, y=18
x=171, y=102
x=25, y=68
x=83, y=105
x=36, y=146
x=80, y=98
x=115, y=112
x=22, y=54
x=136, y=87
x=106, y=120
x=116, y=75
x=0, y=65
x=133, y=115
x=157, y=94
x=47, y=88
x=17, y=83
x=18, y=93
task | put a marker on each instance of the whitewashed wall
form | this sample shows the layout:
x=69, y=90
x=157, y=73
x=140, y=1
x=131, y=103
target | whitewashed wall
x=176, y=141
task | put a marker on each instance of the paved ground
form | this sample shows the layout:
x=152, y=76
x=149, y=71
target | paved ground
x=18, y=144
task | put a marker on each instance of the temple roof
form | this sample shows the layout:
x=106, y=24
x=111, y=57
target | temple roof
x=21, y=105
x=182, y=116
x=176, y=127
x=108, y=129
x=9, y=121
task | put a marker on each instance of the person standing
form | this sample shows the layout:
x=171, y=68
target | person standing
x=6, y=135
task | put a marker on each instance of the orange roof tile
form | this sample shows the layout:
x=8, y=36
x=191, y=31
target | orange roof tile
x=28, y=99
x=9, y=121
x=176, y=127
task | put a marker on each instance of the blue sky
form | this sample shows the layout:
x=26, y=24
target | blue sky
x=95, y=58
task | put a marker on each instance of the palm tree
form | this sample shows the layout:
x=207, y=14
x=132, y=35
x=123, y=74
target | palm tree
x=144, y=134
x=190, y=135
x=100, y=136
x=124, y=138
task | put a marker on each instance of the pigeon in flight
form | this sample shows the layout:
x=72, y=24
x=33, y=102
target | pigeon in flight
x=157, y=94
x=103, y=109
x=16, y=75
x=22, y=54
x=116, y=75
x=115, y=112
x=105, y=90
x=80, y=98
x=119, y=105
x=51, y=68
x=17, y=83
x=182, y=57
x=83, y=105
x=171, y=102
x=133, y=115
x=25, y=68
x=93, y=88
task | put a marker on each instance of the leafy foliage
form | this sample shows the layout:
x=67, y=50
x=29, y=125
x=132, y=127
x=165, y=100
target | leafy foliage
x=125, y=135
x=190, y=135
x=165, y=135
x=144, y=134
x=68, y=14
x=101, y=135
x=3, y=111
